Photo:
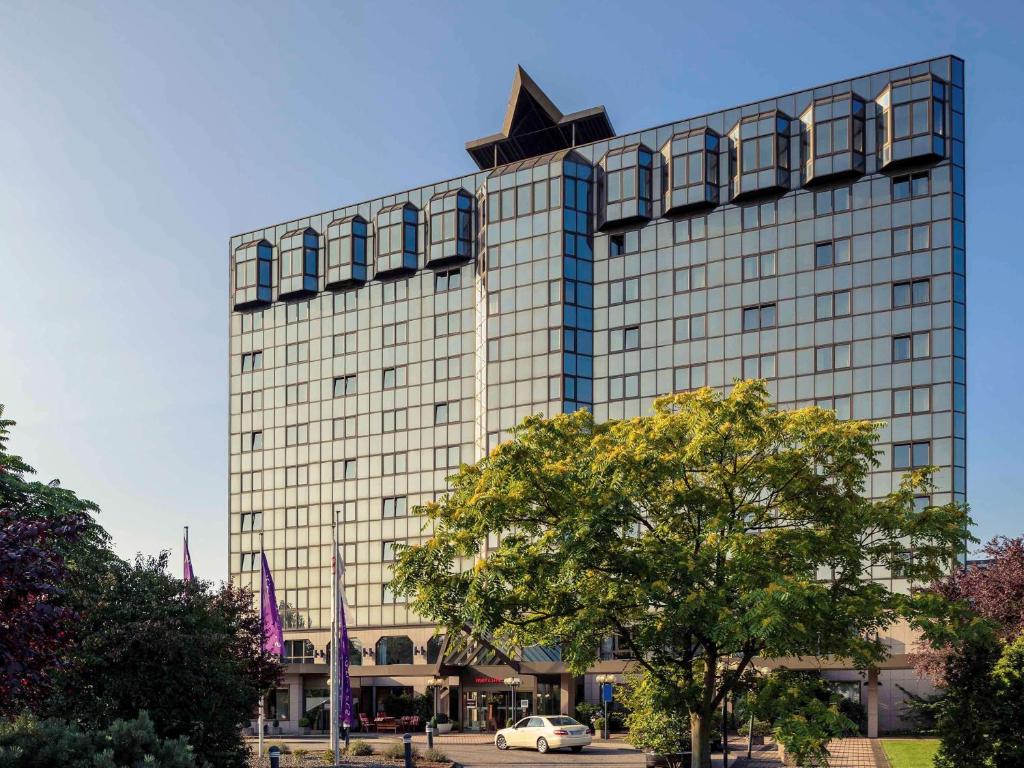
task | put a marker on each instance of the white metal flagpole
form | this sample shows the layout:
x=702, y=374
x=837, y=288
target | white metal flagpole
x=335, y=649
x=259, y=726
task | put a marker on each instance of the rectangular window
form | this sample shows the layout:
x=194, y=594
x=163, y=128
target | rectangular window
x=296, y=393
x=446, y=413
x=450, y=280
x=393, y=463
x=394, y=506
x=827, y=305
x=252, y=521
x=910, y=185
x=832, y=357
x=297, y=434
x=911, y=400
x=447, y=324
x=907, y=239
x=688, y=328
x=253, y=441
x=623, y=387
x=831, y=253
x=345, y=385
x=762, y=265
x=387, y=551
x=620, y=339
x=344, y=470
x=911, y=455
x=393, y=421
x=910, y=292
x=759, y=367
x=760, y=317
x=297, y=353
x=910, y=346
x=395, y=333
x=447, y=368
x=252, y=361
x=447, y=457
x=393, y=377
x=295, y=476
x=344, y=427
x=622, y=291
x=687, y=378
x=248, y=561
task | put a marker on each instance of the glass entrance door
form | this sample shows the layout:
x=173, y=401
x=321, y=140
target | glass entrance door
x=490, y=710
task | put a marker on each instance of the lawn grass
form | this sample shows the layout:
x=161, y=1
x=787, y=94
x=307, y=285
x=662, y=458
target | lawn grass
x=910, y=753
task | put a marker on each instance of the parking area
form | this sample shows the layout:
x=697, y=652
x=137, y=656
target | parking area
x=611, y=754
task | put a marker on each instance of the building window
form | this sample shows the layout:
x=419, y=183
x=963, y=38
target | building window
x=623, y=243
x=344, y=470
x=907, y=239
x=252, y=521
x=841, y=406
x=393, y=463
x=393, y=377
x=912, y=123
x=759, y=367
x=759, y=154
x=447, y=281
x=253, y=441
x=691, y=170
x=296, y=353
x=393, y=421
x=447, y=368
x=397, y=243
x=910, y=185
x=762, y=265
x=346, y=251
x=387, y=551
x=625, y=185
x=394, y=506
x=833, y=137
x=689, y=328
x=388, y=597
x=831, y=253
x=451, y=227
x=621, y=291
x=296, y=476
x=689, y=279
x=690, y=377
x=252, y=361
x=447, y=324
x=296, y=393
x=298, y=262
x=253, y=274
x=394, y=333
x=345, y=385
x=248, y=561
x=908, y=400
x=911, y=455
x=828, y=305
x=447, y=457
x=624, y=387
x=910, y=346
x=299, y=652
x=344, y=427
x=394, y=649
x=832, y=357
x=296, y=434
x=446, y=413
x=620, y=339
x=759, y=318
x=911, y=292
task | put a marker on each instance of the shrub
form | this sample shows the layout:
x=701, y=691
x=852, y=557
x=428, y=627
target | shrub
x=396, y=751
x=585, y=712
x=30, y=743
x=300, y=753
x=359, y=748
x=285, y=749
x=327, y=757
x=435, y=756
x=761, y=728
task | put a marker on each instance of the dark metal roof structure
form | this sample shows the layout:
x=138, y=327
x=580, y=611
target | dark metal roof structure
x=534, y=126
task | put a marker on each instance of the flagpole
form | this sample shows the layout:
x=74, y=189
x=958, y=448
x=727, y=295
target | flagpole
x=184, y=558
x=259, y=727
x=336, y=650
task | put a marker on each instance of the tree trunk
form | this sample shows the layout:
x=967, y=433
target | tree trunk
x=700, y=737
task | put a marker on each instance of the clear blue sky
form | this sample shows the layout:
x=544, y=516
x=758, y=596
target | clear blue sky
x=135, y=138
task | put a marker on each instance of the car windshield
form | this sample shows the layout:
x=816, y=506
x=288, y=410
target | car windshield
x=562, y=721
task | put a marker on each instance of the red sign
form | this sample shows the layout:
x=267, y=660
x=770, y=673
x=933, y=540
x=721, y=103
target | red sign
x=487, y=680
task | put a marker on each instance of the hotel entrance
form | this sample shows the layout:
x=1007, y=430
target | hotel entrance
x=487, y=703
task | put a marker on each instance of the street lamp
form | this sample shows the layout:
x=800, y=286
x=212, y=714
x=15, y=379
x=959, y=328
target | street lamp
x=512, y=683
x=606, y=682
x=435, y=684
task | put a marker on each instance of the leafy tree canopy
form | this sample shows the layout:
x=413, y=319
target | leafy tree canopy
x=716, y=528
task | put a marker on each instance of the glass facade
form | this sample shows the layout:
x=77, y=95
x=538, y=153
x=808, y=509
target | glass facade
x=825, y=254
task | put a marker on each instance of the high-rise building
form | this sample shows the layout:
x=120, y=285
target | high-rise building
x=815, y=240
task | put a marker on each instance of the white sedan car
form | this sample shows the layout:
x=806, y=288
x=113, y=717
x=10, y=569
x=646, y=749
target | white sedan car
x=544, y=732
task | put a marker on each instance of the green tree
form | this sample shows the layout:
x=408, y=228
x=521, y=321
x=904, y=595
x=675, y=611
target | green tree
x=188, y=655
x=1008, y=685
x=697, y=534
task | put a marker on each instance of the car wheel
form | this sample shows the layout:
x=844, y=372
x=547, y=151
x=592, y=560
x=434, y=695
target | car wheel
x=577, y=749
x=500, y=743
x=542, y=745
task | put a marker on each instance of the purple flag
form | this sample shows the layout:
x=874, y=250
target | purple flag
x=189, y=574
x=273, y=638
x=345, y=691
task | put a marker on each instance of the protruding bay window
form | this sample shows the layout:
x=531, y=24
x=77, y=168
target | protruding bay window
x=451, y=228
x=253, y=274
x=759, y=155
x=625, y=186
x=346, y=252
x=832, y=138
x=397, y=239
x=299, y=251
x=691, y=171
x=912, y=123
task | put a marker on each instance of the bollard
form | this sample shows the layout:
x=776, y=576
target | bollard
x=407, y=743
x=346, y=730
x=275, y=757
x=430, y=736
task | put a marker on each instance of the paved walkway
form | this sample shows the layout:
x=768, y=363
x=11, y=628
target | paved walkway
x=846, y=753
